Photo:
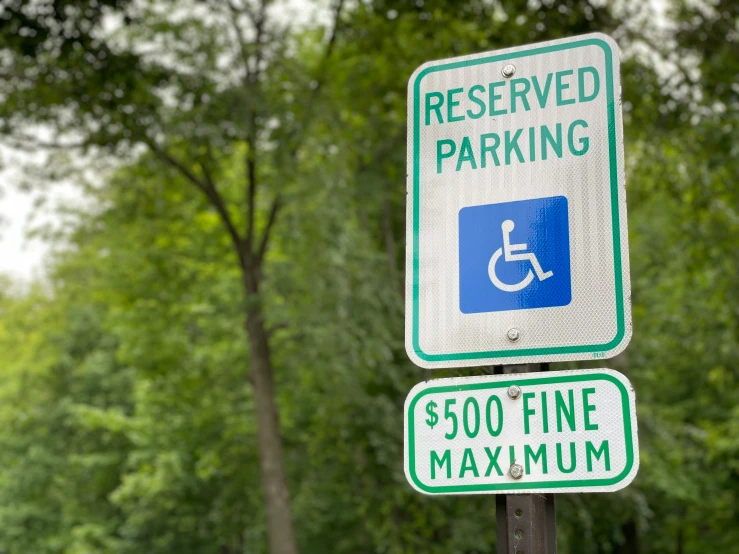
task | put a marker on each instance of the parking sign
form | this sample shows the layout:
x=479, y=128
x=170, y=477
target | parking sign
x=517, y=246
x=556, y=431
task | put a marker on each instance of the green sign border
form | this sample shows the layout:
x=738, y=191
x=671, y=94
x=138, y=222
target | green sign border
x=628, y=436
x=615, y=216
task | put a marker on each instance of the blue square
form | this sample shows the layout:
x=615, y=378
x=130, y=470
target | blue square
x=514, y=256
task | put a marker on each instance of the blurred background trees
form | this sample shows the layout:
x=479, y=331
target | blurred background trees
x=127, y=404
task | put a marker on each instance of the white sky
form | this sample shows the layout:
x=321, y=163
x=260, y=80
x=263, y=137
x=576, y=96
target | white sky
x=21, y=257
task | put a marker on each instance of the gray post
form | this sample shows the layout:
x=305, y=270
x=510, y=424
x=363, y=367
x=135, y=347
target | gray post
x=525, y=522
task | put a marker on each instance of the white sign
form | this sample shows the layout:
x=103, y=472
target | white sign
x=517, y=247
x=559, y=431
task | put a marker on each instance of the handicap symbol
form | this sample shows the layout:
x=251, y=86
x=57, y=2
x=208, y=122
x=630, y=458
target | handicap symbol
x=508, y=255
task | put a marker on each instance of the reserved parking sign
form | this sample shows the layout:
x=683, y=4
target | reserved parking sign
x=517, y=246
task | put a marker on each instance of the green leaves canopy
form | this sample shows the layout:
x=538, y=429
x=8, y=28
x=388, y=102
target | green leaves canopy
x=127, y=424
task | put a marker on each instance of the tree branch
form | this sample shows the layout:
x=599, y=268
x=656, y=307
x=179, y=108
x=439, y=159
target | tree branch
x=259, y=26
x=251, y=194
x=208, y=188
x=235, y=12
x=217, y=200
x=276, y=206
x=277, y=327
x=338, y=7
x=322, y=72
x=174, y=162
x=251, y=158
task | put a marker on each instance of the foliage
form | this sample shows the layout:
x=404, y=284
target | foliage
x=127, y=424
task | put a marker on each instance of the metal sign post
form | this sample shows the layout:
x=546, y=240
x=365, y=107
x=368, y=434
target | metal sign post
x=526, y=522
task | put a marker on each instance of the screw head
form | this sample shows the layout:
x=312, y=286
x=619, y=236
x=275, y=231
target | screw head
x=513, y=334
x=514, y=391
x=508, y=70
x=516, y=471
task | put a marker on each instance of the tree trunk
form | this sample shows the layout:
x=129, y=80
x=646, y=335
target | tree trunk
x=631, y=538
x=274, y=481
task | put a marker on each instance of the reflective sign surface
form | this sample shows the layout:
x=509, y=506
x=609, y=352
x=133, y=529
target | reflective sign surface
x=560, y=431
x=516, y=216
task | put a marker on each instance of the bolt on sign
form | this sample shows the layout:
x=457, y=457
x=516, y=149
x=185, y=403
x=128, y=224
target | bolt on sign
x=559, y=431
x=516, y=217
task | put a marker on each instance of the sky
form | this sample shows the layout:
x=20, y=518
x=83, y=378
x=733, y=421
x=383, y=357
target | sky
x=17, y=256
x=21, y=257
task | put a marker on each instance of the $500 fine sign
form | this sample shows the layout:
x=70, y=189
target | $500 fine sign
x=560, y=431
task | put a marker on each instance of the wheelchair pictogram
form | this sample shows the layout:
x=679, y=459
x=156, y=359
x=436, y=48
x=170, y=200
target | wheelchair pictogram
x=507, y=251
x=514, y=256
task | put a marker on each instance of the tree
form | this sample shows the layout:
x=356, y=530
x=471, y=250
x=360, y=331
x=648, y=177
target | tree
x=196, y=82
x=123, y=425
